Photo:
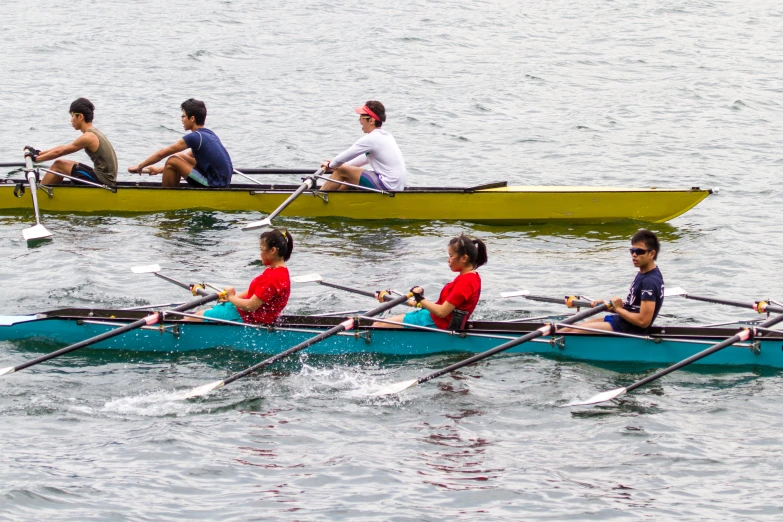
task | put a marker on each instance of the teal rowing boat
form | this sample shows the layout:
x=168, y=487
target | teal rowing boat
x=662, y=345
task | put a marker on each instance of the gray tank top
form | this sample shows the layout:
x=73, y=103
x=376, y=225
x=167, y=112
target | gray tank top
x=104, y=159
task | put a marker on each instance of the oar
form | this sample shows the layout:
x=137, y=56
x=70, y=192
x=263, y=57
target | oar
x=316, y=278
x=155, y=269
x=344, y=326
x=306, y=184
x=38, y=231
x=9, y=165
x=149, y=320
x=571, y=301
x=547, y=329
x=743, y=335
x=761, y=307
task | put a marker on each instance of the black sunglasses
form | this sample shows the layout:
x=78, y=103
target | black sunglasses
x=638, y=251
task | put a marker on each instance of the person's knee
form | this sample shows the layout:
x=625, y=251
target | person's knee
x=61, y=166
x=338, y=174
x=173, y=162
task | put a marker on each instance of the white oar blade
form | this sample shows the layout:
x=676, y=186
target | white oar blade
x=6, y=371
x=597, y=399
x=203, y=390
x=516, y=293
x=257, y=224
x=145, y=269
x=672, y=292
x=307, y=278
x=395, y=388
x=36, y=232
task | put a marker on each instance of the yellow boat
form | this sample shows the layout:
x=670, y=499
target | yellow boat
x=494, y=203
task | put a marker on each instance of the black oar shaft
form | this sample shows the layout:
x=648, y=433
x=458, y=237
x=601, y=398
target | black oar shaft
x=754, y=306
x=574, y=303
x=172, y=280
x=702, y=354
x=317, y=339
x=8, y=165
x=510, y=344
x=348, y=289
x=114, y=333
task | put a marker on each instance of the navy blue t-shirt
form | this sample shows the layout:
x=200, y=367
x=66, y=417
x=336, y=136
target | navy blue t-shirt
x=212, y=159
x=645, y=287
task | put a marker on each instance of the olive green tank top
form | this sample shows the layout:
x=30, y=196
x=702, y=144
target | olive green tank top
x=104, y=159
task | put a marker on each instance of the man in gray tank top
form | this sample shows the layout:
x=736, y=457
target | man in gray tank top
x=92, y=141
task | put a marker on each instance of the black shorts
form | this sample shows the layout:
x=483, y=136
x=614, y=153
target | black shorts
x=621, y=325
x=82, y=171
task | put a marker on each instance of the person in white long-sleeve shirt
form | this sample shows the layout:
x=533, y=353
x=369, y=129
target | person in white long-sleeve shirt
x=377, y=148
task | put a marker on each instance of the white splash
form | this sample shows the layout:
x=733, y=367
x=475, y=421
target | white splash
x=154, y=404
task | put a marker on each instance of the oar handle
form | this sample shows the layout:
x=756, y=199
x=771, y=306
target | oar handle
x=345, y=325
x=149, y=320
x=544, y=330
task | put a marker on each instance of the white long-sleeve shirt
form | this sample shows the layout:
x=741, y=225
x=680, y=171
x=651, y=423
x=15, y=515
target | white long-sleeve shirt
x=380, y=150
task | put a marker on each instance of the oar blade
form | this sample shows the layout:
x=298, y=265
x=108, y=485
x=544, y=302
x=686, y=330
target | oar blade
x=673, y=292
x=6, y=371
x=395, y=388
x=37, y=232
x=203, y=390
x=597, y=399
x=307, y=278
x=516, y=293
x=145, y=269
x=257, y=224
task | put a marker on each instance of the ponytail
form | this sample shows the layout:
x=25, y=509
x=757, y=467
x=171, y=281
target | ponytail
x=475, y=249
x=281, y=240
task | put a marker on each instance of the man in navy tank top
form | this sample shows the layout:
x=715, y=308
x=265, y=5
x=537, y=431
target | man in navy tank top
x=205, y=163
x=645, y=297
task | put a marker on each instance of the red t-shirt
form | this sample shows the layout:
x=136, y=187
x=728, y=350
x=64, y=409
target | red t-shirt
x=273, y=287
x=463, y=293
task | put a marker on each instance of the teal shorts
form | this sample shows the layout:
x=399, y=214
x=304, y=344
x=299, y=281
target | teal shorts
x=225, y=311
x=197, y=179
x=420, y=317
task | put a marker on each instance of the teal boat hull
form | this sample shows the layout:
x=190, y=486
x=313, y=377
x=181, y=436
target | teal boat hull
x=662, y=346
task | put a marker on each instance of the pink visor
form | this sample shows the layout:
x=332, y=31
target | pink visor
x=366, y=110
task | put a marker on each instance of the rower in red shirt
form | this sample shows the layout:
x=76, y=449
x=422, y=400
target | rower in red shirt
x=268, y=293
x=458, y=299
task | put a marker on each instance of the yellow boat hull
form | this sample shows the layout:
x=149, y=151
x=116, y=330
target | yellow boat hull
x=502, y=205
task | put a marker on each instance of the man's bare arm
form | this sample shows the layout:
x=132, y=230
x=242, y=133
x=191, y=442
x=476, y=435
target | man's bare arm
x=86, y=140
x=179, y=146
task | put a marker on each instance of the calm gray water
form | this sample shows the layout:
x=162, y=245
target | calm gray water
x=668, y=93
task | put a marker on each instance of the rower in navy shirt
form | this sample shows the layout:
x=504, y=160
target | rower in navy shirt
x=205, y=164
x=645, y=297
